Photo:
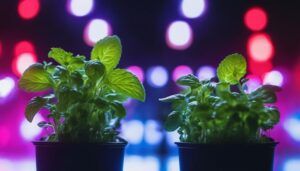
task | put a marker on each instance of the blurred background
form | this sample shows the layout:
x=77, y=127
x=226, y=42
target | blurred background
x=162, y=40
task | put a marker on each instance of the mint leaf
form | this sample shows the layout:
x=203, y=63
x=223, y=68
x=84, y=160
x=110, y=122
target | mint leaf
x=232, y=69
x=126, y=83
x=94, y=69
x=119, y=109
x=35, y=78
x=188, y=80
x=173, y=121
x=60, y=56
x=34, y=106
x=173, y=98
x=108, y=51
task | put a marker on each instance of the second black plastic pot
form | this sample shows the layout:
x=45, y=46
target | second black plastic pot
x=55, y=156
x=226, y=157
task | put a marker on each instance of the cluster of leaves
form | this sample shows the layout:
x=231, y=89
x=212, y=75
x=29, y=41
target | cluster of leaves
x=85, y=103
x=223, y=111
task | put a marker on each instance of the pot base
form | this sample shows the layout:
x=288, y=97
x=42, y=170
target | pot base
x=51, y=156
x=226, y=157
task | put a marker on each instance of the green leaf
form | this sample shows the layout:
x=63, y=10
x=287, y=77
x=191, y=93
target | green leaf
x=119, y=109
x=232, y=69
x=34, y=106
x=188, y=80
x=76, y=63
x=126, y=83
x=60, y=56
x=94, y=70
x=35, y=78
x=173, y=121
x=173, y=98
x=266, y=93
x=108, y=51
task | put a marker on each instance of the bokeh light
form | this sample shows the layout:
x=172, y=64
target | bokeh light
x=22, y=62
x=173, y=164
x=5, y=136
x=7, y=84
x=138, y=71
x=28, y=9
x=30, y=130
x=80, y=8
x=256, y=19
x=259, y=68
x=292, y=127
x=206, y=72
x=135, y=163
x=153, y=134
x=25, y=165
x=23, y=47
x=95, y=30
x=6, y=165
x=273, y=77
x=133, y=131
x=172, y=137
x=192, y=8
x=179, y=35
x=260, y=47
x=157, y=76
x=180, y=71
x=292, y=165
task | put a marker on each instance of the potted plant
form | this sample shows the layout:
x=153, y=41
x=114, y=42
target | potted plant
x=222, y=126
x=85, y=108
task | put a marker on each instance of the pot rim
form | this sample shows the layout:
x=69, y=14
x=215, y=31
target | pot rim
x=112, y=144
x=190, y=144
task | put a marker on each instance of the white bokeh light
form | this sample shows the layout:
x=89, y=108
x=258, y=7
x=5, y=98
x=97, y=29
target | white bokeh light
x=23, y=61
x=25, y=165
x=7, y=84
x=173, y=164
x=292, y=165
x=292, y=127
x=138, y=163
x=172, y=137
x=30, y=131
x=206, y=72
x=192, y=8
x=157, y=76
x=6, y=165
x=273, y=78
x=96, y=30
x=153, y=135
x=179, y=35
x=133, y=131
x=80, y=8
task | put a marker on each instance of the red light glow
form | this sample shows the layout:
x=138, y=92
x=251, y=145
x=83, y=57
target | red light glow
x=256, y=19
x=260, y=68
x=24, y=47
x=28, y=9
x=260, y=47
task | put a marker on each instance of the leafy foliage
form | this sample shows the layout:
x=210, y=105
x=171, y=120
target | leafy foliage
x=85, y=103
x=211, y=112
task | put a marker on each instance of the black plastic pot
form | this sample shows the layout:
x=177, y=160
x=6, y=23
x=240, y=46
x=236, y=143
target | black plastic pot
x=226, y=157
x=55, y=156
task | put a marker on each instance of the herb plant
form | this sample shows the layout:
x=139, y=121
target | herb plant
x=223, y=111
x=86, y=96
